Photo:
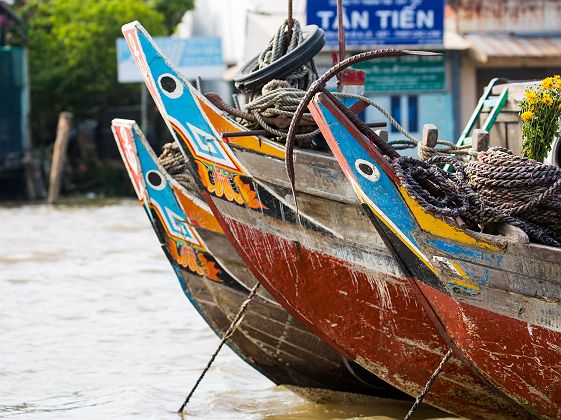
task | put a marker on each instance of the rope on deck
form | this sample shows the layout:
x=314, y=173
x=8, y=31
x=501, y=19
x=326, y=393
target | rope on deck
x=229, y=332
x=176, y=166
x=280, y=98
x=497, y=187
x=428, y=385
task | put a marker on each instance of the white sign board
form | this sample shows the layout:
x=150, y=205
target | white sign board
x=196, y=56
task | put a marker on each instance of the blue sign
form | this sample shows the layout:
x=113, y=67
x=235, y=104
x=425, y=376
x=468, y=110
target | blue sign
x=371, y=23
x=197, y=56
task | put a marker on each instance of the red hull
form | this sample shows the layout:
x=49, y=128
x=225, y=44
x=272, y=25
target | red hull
x=374, y=319
x=483, y=337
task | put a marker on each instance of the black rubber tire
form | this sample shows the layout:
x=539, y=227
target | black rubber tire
x=247, y=81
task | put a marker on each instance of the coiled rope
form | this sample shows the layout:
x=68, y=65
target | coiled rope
x=498, y=187
x=280, y=98
x=175, y=165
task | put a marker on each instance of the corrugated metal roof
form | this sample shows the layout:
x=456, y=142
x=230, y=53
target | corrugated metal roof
x=487, y=46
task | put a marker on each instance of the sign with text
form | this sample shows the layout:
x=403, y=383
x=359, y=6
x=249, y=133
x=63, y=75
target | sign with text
x=371, y=23
x=197, y=56
x=412, y=73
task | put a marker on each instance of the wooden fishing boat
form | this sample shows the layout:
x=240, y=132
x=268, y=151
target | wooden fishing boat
x=268, y=339
x=498, y=297
x=352, y=294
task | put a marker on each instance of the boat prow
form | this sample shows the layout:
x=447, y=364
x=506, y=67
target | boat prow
x=498, y=298
x=209, y=271
x=357, y=299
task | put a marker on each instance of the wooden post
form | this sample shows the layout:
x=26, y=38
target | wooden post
x=428, y=143
x=383, y=134
x=479, y=140
x=430, y=135
x=59, y=155
x=33, y=179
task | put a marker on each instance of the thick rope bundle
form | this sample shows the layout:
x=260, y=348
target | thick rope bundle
x=280, y=98
x=175, y=165
x=277, y=47
x=499, y=187
x=518, y=186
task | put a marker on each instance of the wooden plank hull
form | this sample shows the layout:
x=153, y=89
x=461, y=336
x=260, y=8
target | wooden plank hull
x=269, y=339
x=285, y=254
x=370, y=317
x=498, y=300
x=522, y=358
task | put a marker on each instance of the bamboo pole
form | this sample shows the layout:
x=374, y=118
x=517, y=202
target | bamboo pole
x=59, y=155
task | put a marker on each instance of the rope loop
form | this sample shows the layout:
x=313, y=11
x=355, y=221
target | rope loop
x=497, y=187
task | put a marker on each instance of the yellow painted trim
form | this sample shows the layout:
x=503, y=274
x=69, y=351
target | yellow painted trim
x=222, y=124
x=381, y=216
x=439, y=227
x=466, y=285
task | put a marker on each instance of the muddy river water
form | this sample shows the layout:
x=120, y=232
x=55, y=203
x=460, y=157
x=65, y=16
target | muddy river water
x=94, y=325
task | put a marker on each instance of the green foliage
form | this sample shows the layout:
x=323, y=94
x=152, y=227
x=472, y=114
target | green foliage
x=540, y=112
x=72, y=50
x=172, y=10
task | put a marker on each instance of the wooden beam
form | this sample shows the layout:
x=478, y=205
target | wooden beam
x=59, y=156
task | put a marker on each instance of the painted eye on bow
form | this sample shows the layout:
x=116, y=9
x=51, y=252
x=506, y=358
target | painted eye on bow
x=170, y=85
x=155, y=180
x=367, y=170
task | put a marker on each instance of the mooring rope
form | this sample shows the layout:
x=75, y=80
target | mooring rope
x=497, y=187
x=229, y=332
x=175, y=165
x=428, y=385
x=280, y=98
x=442, y=147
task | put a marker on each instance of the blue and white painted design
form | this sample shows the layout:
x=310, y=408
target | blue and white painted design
x=375, y=188
x=160, y=195
x=177, y=104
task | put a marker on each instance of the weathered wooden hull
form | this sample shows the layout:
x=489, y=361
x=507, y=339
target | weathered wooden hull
x=498, y=300
x=506, y=316
x=268, y=339
x=521, y=358
x=370, y=317
x=355, y=298
x=274, y=343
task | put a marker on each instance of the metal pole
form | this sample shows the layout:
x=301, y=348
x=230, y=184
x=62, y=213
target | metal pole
x=456, y=90
x=341, y=30
x=289, y=31
x=144, y=108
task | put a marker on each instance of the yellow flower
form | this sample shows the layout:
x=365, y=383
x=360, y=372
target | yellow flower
x=546, y=99
x=531, y=96
x=557, y=77
x=527, y=116
x=547, y=83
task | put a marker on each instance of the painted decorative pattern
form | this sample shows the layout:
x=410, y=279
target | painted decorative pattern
x=194, y=260
x=222, y=184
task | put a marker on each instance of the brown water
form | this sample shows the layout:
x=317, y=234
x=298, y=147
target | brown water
x=94, y=325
